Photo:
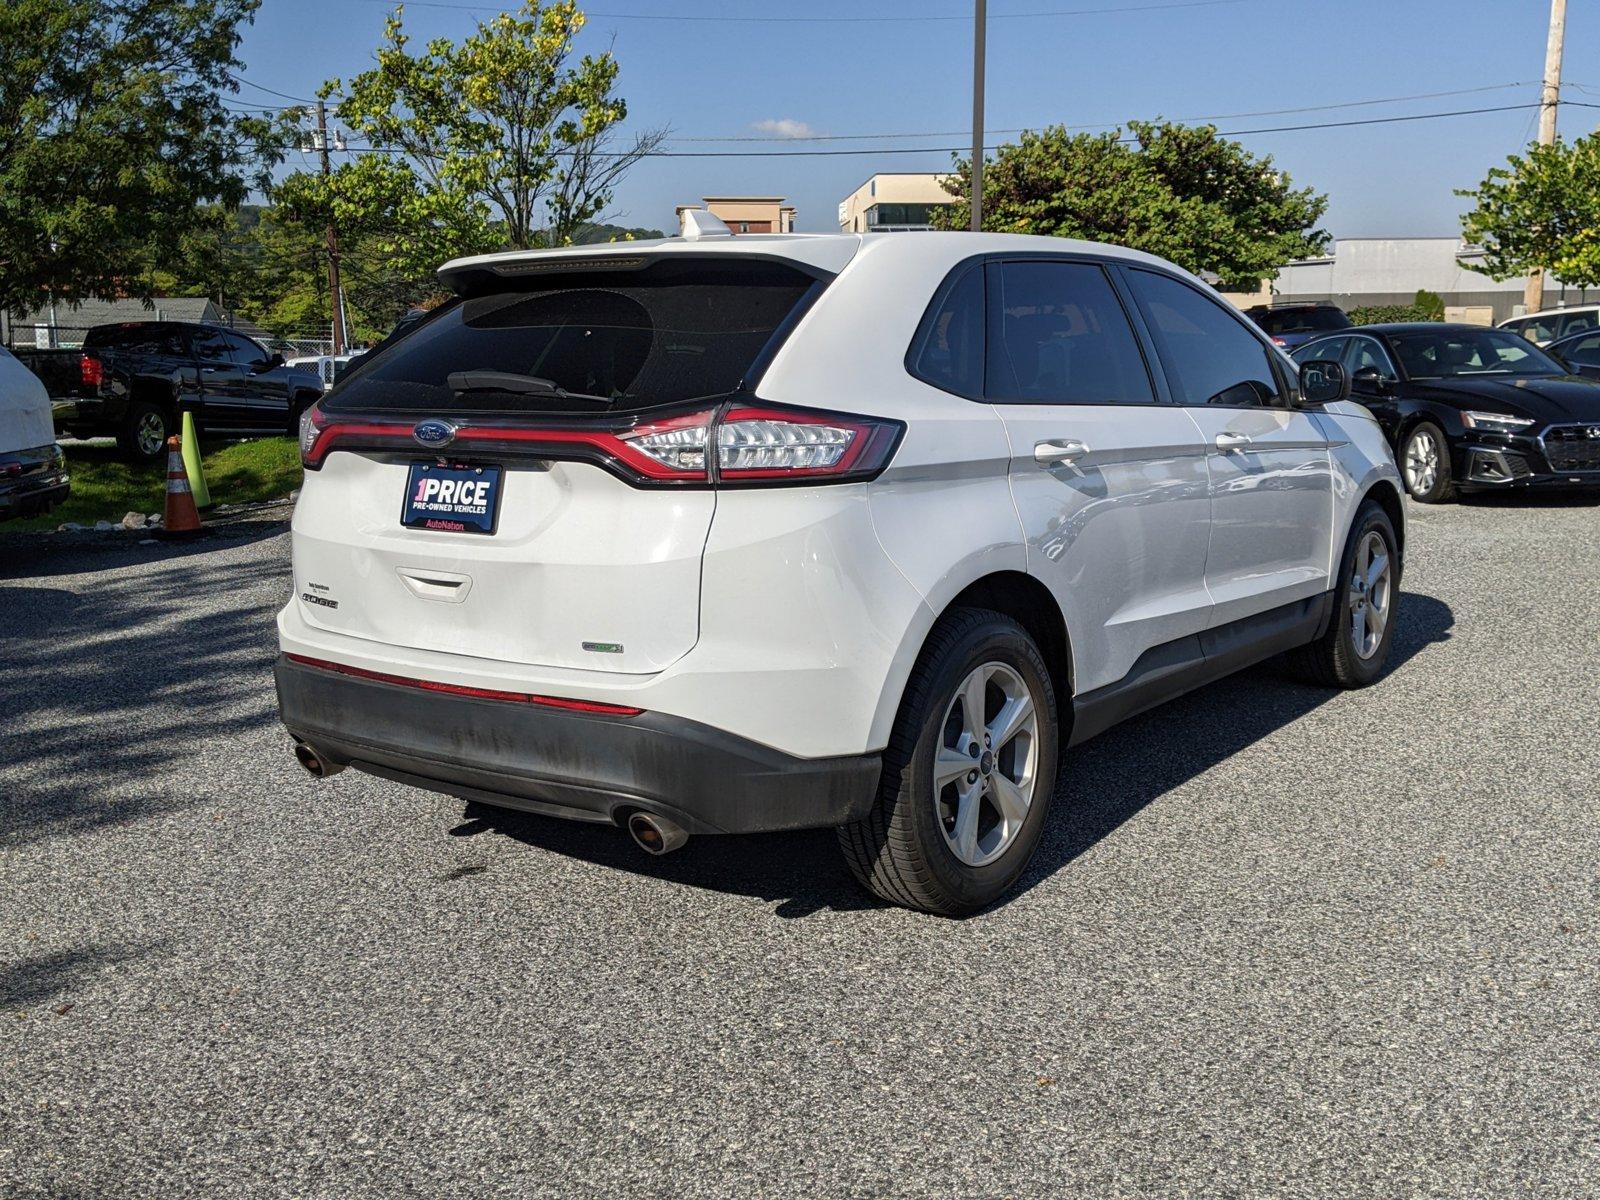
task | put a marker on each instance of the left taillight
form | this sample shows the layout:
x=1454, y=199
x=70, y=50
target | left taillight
x=312, y=422
x=91, y=371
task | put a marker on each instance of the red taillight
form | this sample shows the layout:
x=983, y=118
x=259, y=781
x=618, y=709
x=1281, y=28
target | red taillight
x=1278, y=341
x=91, y=370
x=756, y=444
x=474, y=693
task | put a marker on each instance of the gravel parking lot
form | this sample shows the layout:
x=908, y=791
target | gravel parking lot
x=1277, y=942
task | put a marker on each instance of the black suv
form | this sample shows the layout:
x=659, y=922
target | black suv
x=1291, y=325
x=130, y=381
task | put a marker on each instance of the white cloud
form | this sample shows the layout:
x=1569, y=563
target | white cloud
x=784, y=127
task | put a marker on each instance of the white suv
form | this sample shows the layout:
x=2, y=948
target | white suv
x=716, y=535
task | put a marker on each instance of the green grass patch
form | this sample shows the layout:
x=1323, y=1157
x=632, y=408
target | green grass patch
x=105, y=486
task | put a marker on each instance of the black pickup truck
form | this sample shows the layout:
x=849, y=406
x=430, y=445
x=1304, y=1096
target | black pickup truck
x=128, y=381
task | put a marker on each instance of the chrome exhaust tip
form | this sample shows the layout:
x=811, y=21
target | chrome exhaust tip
x=317, y=766
x=655, y=835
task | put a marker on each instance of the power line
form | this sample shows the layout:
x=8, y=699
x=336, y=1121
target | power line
x=271, y=92
x=1266, y=112
x=848, y=20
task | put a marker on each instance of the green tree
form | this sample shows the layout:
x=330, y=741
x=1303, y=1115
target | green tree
x=112, y=132
x=1429, y=304
x=275, y=271
x=1541, y=212
x=505, y=140
x=1181, y=192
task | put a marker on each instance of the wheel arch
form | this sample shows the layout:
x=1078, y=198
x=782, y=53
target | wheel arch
x=1387, y=496
x=1014, y=594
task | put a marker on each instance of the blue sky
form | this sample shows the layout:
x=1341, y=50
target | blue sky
x=720, y=77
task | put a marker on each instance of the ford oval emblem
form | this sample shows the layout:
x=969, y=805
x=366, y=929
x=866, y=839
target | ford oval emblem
x=434, y=434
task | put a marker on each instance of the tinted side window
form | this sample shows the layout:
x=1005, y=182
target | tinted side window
x=1210, y=357
x=1585, y=350
x=138, y=339
x=1058, y=335
x=951, y=352
x=1576, y=323
x=210, y=345
x=244, y=351
x=1364, y=352
x=1321, y=350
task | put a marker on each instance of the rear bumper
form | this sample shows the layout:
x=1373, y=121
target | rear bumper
x=584, y=766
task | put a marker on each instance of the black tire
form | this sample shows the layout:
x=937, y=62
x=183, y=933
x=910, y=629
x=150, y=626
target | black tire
x=1442, y=488
x=137, y=435
x=1334, y=660
x=901, y=851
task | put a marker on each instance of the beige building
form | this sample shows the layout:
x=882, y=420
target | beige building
x=887, y=203
x=748, y=214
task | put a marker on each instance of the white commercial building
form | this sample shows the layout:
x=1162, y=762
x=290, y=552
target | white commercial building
x=889, y=202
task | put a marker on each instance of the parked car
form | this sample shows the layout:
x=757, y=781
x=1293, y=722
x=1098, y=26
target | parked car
x=1470, y=409
x=1291, y=325
x=1551, y=325
x=1580, y=351
x=716, y=535
x=128, y=381
x=33, y=471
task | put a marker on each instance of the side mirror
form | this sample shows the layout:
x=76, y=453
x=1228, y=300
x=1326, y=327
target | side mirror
x=1323, y=382
x=274, y=361
x=1369, y=381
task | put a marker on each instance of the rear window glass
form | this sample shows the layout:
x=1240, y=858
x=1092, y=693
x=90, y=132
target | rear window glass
x=613, y=340
x=1304, y=320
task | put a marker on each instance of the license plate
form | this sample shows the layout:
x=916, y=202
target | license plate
x=456, y=499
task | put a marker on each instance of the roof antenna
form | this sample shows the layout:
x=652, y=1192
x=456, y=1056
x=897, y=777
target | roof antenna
x=695, y=223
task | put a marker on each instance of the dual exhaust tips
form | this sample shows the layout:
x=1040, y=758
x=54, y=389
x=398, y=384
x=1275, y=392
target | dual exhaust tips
x=651, y=833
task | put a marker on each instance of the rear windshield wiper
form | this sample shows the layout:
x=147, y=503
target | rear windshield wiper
x=518, y=385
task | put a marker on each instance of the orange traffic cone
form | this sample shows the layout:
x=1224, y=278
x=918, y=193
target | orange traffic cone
x=182, y=519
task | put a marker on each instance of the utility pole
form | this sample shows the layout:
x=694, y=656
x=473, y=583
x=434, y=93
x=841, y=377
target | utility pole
x=980, y=22
x=334, y=289
x=1549, y=105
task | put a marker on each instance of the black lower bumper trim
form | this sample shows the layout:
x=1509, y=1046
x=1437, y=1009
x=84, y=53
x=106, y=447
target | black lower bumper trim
x=578, y=765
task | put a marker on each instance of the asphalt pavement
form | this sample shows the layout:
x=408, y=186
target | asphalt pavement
x=1277, y=941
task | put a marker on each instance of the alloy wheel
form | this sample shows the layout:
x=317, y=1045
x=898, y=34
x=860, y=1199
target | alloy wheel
x=986, y=766
x=151, y=434
x=1422, y=462
x=1371, y=584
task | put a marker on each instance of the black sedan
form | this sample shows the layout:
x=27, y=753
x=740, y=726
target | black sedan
x=1581, y=352
x=1470, y=409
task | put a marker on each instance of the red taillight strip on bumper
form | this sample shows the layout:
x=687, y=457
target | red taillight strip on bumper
x=384, y=435
x=475, y=693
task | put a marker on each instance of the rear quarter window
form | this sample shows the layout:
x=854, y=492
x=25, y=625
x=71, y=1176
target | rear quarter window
x=676, y=330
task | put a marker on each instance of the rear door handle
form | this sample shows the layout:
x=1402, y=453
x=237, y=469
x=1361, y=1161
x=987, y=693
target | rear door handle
x=1232, y=441
x=1049, y=454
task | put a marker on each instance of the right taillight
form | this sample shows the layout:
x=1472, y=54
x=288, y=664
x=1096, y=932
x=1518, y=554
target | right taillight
x=91, y=370
x=766, y=444
x=791, y=443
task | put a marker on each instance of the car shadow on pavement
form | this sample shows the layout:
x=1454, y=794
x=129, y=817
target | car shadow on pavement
x=1104, y=783
x=28, y=982
x=116, y=669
